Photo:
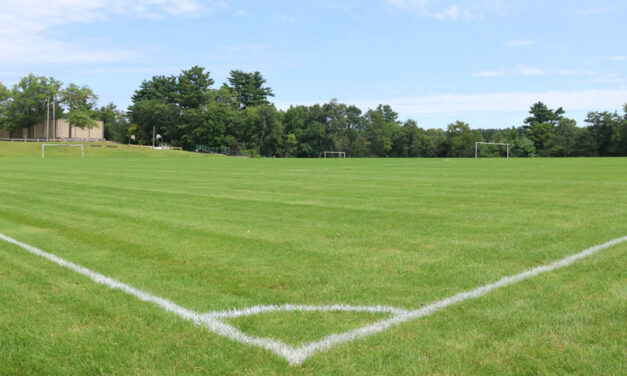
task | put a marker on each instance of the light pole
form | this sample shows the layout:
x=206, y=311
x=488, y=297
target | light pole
x=54, y=121
x=48, y=119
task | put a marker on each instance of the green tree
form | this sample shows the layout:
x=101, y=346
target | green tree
x=540, y=113
x=620, y=138
x=164, y=117
x=155, y=104
x=540, y=125
x=262, y=130
x=354, y=125
x=460, y=140
x=378, y=131
x=80, y=102
x=388, y=113
x=409, y=140
x=604, y=127
x=193, y=87
x=115, y=123
x=295, y=120
x=209, y=127
x=524, y=147
x=540, y=134
x=563, y=142
x=159, y=88
x=309, y=125
x=438, y=138
x=25, y=104
x=336, y=125
x=289, y=144
x=249, y=88
x=4, y=95
x=75, y=97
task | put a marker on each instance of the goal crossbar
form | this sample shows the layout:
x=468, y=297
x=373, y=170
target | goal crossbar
x=340, y=154
x=489, y=143
x=66, y=145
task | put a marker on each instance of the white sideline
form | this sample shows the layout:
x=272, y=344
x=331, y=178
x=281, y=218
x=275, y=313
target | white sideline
x=297, y=355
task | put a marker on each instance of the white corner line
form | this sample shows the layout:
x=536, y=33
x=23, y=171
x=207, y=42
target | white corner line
x=213, y=321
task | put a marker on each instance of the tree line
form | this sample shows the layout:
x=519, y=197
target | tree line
x=29, y=101
x=186, y=110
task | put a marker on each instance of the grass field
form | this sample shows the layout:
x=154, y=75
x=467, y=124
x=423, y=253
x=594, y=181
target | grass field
x=212, y=233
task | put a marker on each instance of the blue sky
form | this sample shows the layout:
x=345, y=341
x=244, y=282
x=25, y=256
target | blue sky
x=481, y=61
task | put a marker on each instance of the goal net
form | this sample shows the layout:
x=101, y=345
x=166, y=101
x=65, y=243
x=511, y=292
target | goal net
x=62, y=150
x=333, y=154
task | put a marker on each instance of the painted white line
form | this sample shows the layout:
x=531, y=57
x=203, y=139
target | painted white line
x=297, y=355
x=335, y=339
x=255, y=310
x=207, y=321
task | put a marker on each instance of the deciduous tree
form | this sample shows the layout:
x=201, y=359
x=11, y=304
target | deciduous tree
x=25, y=104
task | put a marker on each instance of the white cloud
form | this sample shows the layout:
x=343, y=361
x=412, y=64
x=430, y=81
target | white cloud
x=513, y=101
x=454, y=104
x=607, y=80
x=108, y=70
x=566, y=72
x=344, y=8
x=519, y=43
x=529, y=71
x=498, y=73
x=468, y=10
x=24, y=26
x=29, y=48
x=283, y=18
x=590, y=11
x=523, y=70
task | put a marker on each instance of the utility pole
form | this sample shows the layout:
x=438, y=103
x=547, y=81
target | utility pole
x=54, y=120
x=48, y=119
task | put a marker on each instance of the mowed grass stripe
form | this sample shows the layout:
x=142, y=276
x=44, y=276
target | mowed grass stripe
x=163, y=224
x=472, y=199
x=395, y=232
x=472, y=209
x=578, y=328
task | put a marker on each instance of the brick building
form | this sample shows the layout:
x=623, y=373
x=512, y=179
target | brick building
x=63, y=131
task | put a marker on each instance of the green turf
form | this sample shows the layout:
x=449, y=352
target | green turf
x=92, y=150
x=212, y=233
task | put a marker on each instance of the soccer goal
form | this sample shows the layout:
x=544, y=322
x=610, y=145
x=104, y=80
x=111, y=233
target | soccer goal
x=489, y=143
x=333, y=154
x=43, y=148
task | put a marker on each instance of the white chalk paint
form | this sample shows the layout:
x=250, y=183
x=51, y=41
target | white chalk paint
x=295, y=355
x=255, y=310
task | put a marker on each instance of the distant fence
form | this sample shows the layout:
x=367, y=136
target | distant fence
x=212, y=149
x=100, y=145
x=53, y=139
x=156, y=147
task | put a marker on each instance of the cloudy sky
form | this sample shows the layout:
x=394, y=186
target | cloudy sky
x=437, y=61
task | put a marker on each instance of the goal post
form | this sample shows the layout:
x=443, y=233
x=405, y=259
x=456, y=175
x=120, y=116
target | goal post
x=490, y=143
x=43, y=147
x=339, y=154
